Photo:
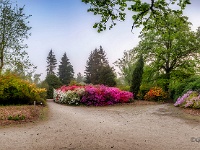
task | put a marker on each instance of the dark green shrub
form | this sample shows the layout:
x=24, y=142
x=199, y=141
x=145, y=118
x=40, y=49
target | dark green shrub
x=144, y=88
x=53, y=83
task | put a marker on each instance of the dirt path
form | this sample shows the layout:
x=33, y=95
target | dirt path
x=126, y=127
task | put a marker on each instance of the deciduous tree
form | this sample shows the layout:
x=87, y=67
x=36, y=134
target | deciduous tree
x=126, y=65
x=36, y=78
x=172, y=49
x=80, y=78
x=13, y=30
x=112, y=11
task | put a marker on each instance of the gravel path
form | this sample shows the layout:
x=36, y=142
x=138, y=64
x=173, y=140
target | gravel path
x=126, y=127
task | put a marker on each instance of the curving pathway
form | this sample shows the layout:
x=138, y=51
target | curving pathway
x=156, y=127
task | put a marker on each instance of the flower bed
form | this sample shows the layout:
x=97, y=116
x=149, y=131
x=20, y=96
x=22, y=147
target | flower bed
x=98, y=95
x=191, y=99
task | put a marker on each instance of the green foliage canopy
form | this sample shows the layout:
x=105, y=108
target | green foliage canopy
x=112, y=11
x=126, y=65
x=172, y=49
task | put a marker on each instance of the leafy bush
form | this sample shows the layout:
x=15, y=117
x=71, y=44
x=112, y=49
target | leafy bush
x=144, y=88
x=189, y=99
x=192, y=83
x=17, y=117
x=99, y=95
x=155, y=94
x=124, y=87
x=74, y=82
x=14, y=90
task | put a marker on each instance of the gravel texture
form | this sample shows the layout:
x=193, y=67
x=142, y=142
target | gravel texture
x=126, y=127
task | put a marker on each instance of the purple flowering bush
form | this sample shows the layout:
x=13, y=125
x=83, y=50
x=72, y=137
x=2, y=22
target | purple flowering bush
x=98, y=95
x=191, y=99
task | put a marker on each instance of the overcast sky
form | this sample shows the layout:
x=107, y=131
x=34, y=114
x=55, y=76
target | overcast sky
x=66, y=26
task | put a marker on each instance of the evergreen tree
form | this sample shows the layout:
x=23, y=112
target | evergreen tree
x=65, y=70
x=96, y=60
x=137, y=76
x=96, y=64
x=51, y=63
x=107, y=76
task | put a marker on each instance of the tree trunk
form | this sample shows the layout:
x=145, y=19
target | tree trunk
x=1, y=60
x=167, y=78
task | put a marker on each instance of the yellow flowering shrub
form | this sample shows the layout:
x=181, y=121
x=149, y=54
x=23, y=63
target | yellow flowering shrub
x=14, y=90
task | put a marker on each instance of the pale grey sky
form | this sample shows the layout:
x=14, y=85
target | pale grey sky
x=66, y=26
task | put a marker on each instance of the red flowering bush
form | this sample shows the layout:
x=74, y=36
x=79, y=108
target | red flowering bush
x=67, y=88
x=98, y=95
x=155, y=94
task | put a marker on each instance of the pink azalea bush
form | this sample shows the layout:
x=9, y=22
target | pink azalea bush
x=98, y=95
x=191, y=99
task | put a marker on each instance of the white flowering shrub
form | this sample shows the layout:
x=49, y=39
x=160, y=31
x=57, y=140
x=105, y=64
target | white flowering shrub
x=69, y=97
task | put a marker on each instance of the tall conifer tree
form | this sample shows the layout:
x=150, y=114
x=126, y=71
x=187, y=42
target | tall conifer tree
x=51, y=63
x=137, y=76
x=65, y=70
x=98, y=69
